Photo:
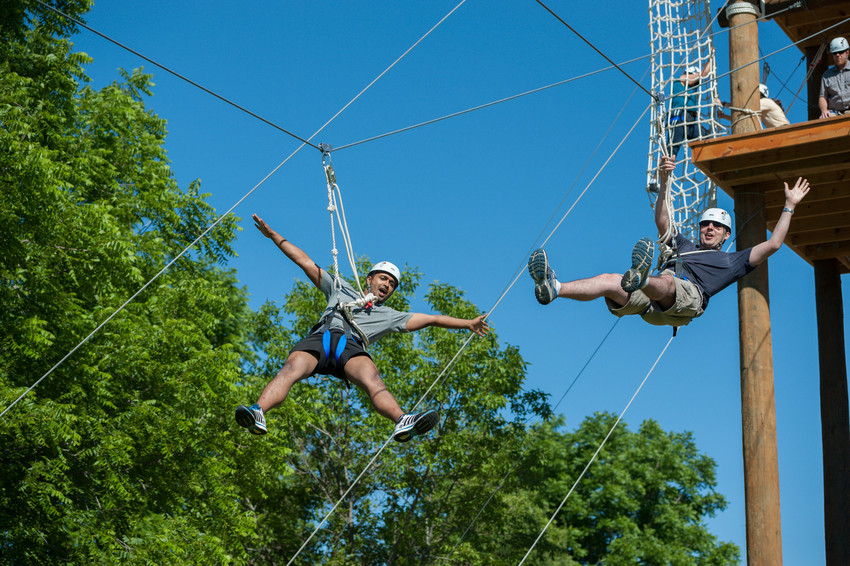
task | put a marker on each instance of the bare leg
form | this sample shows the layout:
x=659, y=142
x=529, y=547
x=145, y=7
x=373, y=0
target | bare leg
x=605, y=285
x=362, y=372
x=661, y=289
x=298, y=366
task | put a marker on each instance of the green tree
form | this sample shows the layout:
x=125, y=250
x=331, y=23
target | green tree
x=415, y=495
x=126, y=452
x=643, y=501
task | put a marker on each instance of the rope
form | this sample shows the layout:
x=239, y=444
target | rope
x=470, y=337
x=486, y=105
x=220, y=218
x=175, y=73
x=539, y=89
x=809, y=72
x=595, y=454
x=333, y=191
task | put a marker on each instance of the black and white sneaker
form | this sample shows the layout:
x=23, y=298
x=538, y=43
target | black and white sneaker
x=544, y=277
x=638, y=275
x=251, y=418
x=414, y=424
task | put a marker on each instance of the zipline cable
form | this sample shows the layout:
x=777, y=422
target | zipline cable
x=486, y=105
x=529, y=92
x=516, y=278
x=151, y=280
x=598, y=450
x=517, y=460
x=222, y=217
x=580, y=36
x=175, y=73
x=521, y=268
x=468, y=339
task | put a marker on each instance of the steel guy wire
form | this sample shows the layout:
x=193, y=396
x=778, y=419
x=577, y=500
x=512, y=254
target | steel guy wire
x=580, y=36
x=517, y=460
x=451, y=362
x=175, y=73
x=529, y=92
x=598, y=450
x=220, y=218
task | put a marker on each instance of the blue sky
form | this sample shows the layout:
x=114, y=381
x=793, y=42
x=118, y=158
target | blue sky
x=465, y=199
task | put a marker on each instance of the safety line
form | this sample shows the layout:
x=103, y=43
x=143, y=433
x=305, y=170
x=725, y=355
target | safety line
x=518, y=272
x=219, y=220
x=154, y=278
x=341, y=499
x=772, y=53
x=533, y=91
x=175, y=73
x=397, y=60
x=469, y=338
x=486, y=105
x=517, y=460
x=548, y=9
x=598, y=450
x=516, y=278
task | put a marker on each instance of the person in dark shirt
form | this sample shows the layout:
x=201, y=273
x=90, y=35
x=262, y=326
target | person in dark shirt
x=687, y=280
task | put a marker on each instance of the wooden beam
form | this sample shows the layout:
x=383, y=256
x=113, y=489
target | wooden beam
x=819, y=236
x=819, y=223
x=832, y=250
x=835, y=418
x=836, y=128
x=776, y=152
x=769, y=171
x=823, y=190
x=813, y=209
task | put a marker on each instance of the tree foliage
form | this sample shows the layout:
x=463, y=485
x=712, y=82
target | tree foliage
x=127, y=452
x=123, y=453
x=644, y=501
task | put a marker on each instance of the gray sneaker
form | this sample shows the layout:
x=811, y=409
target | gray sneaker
x=544, y=277
x=251, y=418
x=638, y=274
x=410, y=425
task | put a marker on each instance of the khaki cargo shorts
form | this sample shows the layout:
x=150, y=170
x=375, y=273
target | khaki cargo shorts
x=687, y=307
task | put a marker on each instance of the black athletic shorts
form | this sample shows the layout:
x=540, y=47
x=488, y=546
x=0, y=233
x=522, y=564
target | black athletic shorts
x=328, y=365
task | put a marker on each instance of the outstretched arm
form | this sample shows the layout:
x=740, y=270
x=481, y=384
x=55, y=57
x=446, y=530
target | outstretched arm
x=419, y=321
x=662, y=217
x=766, y=249
x=293, y=252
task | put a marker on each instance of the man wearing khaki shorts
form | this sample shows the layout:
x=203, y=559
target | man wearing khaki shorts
x=681, y=291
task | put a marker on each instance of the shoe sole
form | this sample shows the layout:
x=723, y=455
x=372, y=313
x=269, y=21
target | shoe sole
x=538, y=267
x=538, y=264
x=642, y=255
x=245, y=418
x=425, y=423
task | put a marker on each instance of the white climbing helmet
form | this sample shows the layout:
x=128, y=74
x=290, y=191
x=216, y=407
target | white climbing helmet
x=693, y=70
x=717, y=215
x=763, y=90
x=838, y=45
x=386, y=267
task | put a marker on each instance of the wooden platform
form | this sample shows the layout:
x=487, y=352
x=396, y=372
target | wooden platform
x=819, y=151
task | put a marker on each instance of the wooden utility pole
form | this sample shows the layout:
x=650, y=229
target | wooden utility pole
x=835, y=421
x=758, y=408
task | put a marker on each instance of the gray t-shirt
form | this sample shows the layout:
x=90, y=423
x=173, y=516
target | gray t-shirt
x=835, y=88
x=375, y=322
